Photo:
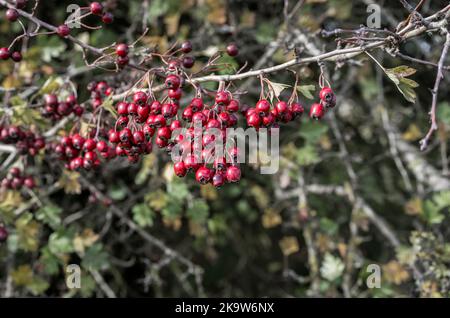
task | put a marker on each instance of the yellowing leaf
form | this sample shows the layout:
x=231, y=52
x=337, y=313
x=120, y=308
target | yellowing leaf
x=414, y=207
x=395, y=273
x=413, y=133
x=289, y=245
x=11, y=82
x=70, y=182
x=84, y=240
x=22, y=276
x=216, y=11
x=209, y=192
x=271, y=219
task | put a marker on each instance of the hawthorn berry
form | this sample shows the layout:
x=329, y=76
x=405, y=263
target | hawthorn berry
x=232, y=49
x=188, y=61
x=122, y=49
x=186, y=46
x=233, y=174
x=203, y=175
x=180, y=169
x=107, y=18
x=140, y=98
x=317, y=111
x=262, y=107
x=63, y=30
x=16, y=56
x=12, y=15
x=175, y=93
x=96, y=8
x=218, y=180
x=297, y=110
x=3, y=234
x=253, y=120
x=223, y=98
x=29, y=182
x=4, y=53
x=173, y=81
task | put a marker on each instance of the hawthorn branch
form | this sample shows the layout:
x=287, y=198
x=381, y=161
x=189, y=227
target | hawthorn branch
x=53, y=28
x=439, y=76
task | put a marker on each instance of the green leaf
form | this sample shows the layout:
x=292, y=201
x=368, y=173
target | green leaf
x=404, y=85
x=172, y=210
x=329, y=226
x=51, y=262
x=143, y=215
x=117, y=192
x=49, y=214
x=108, y=105
x=38, y=286
x=332, y=267
x=51, y=47
x=178, y=189
x=443, y=112
x=307, y=155
x=312, y=131
x=95, y=258
x=275, y=89
x=307, y=90
x=51, y=84
x=433, y=208
x=61, y=242
x=199, y=211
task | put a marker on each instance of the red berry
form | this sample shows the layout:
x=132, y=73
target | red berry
x=297, y=110
x=281, y=107
x=196, y=104
x=218, y=180
x=233, y=106
x=123, y=60
x=15, y=172
x=3, y=234
x=199, y=117
x=175, y=93
x=268, y=120
x=122, y=108
x=63, y=30
x=317, y=111
x=122, y=49
x=107, y=18
x=155, y=107
x=4, y=53
x=12, y=15
x=187, y=114
x=232, y=49
x=233, y=174
x=173, y=81
x=159, y=121
x=213, y=123
x=132, y=109
x=113, y=137
x=89, y=145
x=262, y=107
x=191, y=163
x=174, y=125
x=96, y=8
x=325, y=93
x=161, y=143
x=29, y=182
x=180, y=169
x=102, y=146
x=138, y=137
x=203, y=175
x=186, y=47
x=78, y=141
x=188, y=61
x=223, y=98
x=164, y=133
x=173, y=65
x=253, y=120
x=66, y=141
x=143, y=111
x=125, y=135
x=122, y=121
x=140, y=98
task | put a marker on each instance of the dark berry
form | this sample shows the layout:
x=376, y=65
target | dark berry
x=4, y=53
x=122, y=49
x=12, y=15
x=63, y=30
x=107, y=18
x=96, y=8
x=232, y=49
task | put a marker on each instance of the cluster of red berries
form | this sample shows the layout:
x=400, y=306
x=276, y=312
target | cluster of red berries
x=99, y=91
x=55, y=109
x=266, y=115
x=83, y=153
x=26, y=141
x=12, y=15
x=95, y=8
x=200, y=143
x=3, y=234
x=16, y=180
x=327, y=101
